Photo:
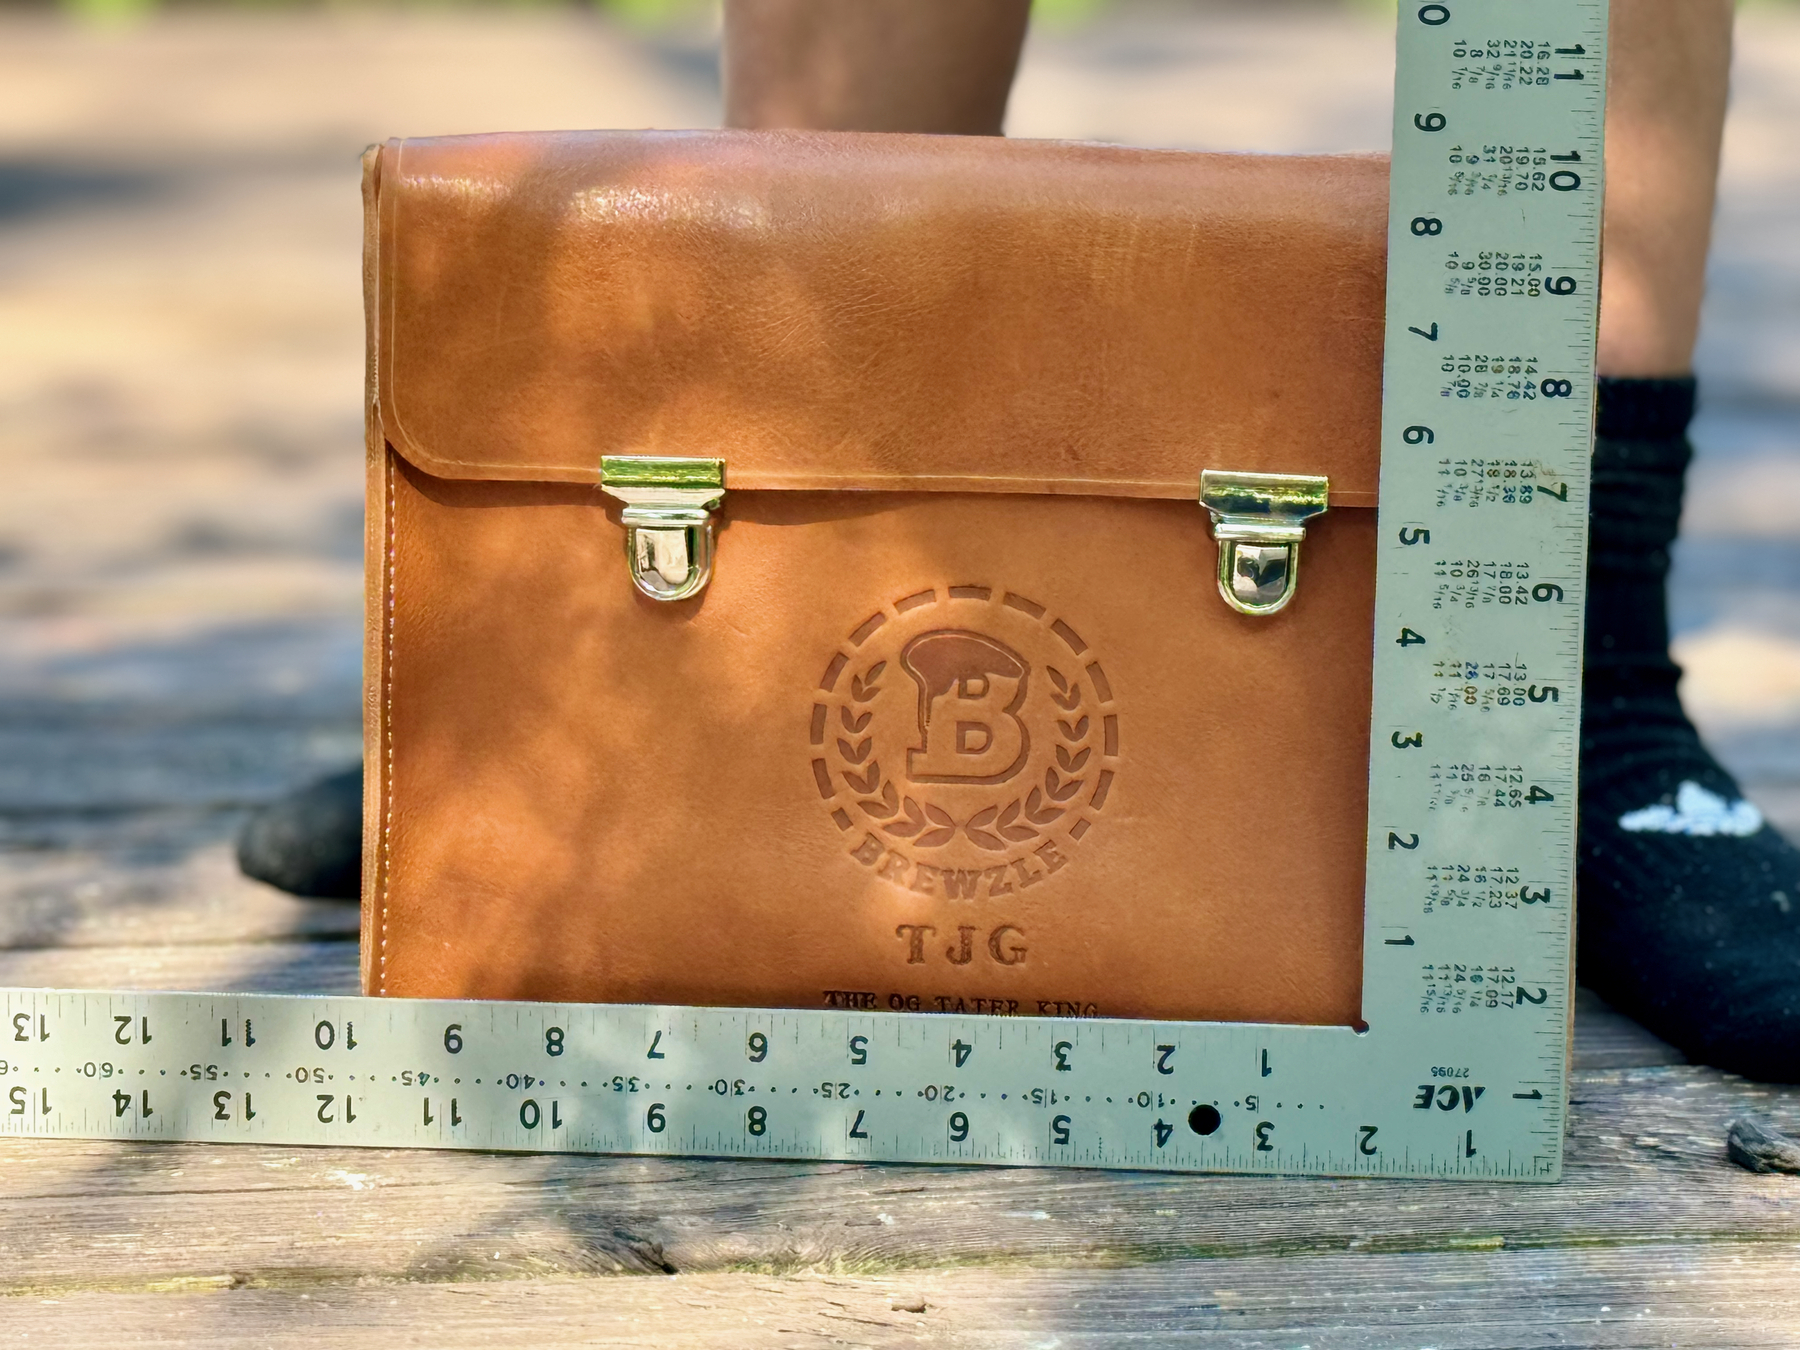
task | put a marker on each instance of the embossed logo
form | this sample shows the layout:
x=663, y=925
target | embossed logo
x=965, y=741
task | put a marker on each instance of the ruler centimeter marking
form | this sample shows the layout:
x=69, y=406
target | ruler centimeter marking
x=1493, y=280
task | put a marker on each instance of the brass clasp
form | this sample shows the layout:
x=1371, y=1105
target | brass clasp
x=1259, y=520
x=668, y=519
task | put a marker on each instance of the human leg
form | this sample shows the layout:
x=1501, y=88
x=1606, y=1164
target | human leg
x=1671, y=65
x=1689, y=907
x=872, y=65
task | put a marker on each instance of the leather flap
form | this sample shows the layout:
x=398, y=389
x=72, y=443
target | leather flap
x=853, y=311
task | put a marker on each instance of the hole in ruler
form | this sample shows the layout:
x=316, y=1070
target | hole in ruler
x=1204, y=1119
x=1360, y=1027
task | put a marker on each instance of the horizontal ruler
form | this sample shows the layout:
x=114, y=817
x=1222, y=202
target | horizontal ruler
x=728, y=1082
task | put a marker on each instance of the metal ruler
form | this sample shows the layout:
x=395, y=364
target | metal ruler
x=1459, y=1069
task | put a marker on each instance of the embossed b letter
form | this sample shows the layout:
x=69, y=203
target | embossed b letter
x=971, y=688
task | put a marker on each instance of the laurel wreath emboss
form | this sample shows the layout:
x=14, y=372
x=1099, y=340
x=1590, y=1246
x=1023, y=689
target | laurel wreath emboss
x=993, y=828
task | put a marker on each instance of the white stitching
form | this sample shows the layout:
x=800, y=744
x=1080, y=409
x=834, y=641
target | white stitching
x=387, y=725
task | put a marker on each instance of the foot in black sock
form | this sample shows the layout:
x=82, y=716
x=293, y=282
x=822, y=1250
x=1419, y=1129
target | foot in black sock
x=310, y=841
x=1689, y=907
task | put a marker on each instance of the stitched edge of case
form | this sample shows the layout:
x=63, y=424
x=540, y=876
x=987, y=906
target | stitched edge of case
x=389, y=559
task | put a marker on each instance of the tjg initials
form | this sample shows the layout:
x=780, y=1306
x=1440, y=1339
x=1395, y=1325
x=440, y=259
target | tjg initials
x=971, y=688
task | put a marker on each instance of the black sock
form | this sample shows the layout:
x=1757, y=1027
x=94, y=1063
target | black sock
x=310, y=841
x=1689, y=905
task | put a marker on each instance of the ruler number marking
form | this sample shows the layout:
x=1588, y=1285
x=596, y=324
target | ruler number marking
x=123, y=1102
x=18, y=1098
x=531, y=1115
x=325, y=1035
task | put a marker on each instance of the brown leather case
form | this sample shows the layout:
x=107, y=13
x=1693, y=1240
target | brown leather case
x=964, y=390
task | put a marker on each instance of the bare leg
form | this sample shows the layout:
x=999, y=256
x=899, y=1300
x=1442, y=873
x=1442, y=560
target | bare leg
x=872, y=65
x=1671, y=61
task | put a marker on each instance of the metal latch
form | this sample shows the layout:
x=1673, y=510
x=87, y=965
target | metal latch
x=1259, y=520
x=668, y=519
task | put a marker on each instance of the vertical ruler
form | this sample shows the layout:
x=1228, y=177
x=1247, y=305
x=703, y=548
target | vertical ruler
x=1459, y=1070
x=1487, y=432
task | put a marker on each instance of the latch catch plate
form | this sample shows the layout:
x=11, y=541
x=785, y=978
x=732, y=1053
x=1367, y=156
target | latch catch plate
x=668, y=519
x=1259, y=520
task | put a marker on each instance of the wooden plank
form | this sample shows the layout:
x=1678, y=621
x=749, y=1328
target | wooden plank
x=1607, y=1039
x=1729, y=1295
x=177, y=883
x=277, y=966
x=1647, y=1165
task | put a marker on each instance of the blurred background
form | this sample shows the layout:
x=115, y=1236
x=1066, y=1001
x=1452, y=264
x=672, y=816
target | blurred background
x=180, y=375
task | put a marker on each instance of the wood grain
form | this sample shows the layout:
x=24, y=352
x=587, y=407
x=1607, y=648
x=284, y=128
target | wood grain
x=1647, y=1166
x=276, y=966
x=1697, y=1296
x=165, y=889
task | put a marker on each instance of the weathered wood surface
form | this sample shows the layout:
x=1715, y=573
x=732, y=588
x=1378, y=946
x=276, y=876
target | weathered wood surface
x=1646, y=1167
x=178, y=638
x=1716, y=1295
